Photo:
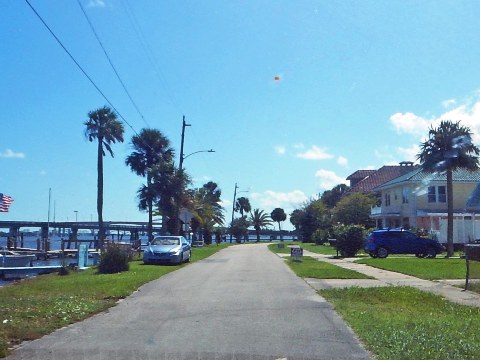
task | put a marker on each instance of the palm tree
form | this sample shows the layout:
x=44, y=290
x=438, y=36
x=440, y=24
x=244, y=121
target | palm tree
x=242, y=205
x=278, y=215
x=449, y=147
x=169, y=185
x=206, y=207
x=150, y=149
x=259, y=219
x=102, y=126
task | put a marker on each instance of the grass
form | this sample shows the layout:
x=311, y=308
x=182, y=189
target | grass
x=311, y=268
x=406, y=323
x=36, y=307
x=320, y=249
x=285, y=250
x=429, y=269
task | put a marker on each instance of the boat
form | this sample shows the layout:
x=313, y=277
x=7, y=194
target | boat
x=10, y=258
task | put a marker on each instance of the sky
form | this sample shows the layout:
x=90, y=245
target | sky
x=293, y=96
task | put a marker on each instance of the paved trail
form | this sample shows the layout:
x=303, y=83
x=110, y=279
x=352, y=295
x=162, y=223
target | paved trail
x=241, y=303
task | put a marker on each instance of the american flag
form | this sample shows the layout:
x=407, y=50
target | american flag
x=5, y=202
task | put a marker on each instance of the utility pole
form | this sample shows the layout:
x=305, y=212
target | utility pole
x=233, y=209
x=184, y=124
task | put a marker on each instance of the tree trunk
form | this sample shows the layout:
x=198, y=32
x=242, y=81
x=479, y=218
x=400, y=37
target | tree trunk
x=450, y=213
x=150, y=208
x=101, y=231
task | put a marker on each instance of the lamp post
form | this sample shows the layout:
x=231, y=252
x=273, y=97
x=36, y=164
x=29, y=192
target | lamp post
x=233, y=206
x=195, y=152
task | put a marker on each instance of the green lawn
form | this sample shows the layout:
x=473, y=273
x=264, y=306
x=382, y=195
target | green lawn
x=320, y=249
x=406, y=323
x=35, y=307
x=311, y=268
x=429, y=269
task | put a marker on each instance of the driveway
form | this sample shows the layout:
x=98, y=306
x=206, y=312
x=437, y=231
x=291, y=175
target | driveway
x=241, y=303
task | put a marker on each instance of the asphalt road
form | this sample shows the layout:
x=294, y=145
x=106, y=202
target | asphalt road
x=241, y=303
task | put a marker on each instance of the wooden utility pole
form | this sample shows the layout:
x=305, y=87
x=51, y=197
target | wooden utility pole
x=184, y=124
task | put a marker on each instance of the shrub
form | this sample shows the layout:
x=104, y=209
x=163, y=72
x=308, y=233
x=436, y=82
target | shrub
x=350, y=239
x=321, y=236
x=114, y=260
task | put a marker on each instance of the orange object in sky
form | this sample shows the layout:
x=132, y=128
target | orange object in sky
x=277, y=78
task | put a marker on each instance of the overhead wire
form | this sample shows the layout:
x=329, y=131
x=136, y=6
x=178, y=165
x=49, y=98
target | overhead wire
x=79, y=66
x=149, y=54
x=111, y=63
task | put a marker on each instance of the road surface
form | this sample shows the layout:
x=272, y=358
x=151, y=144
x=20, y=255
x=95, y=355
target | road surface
x=241, y=303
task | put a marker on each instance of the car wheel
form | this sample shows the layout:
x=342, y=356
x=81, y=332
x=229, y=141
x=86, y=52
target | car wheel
x=431, y=253
x=382, y=253
x=189, y=256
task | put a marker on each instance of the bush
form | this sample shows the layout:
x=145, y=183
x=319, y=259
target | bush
x=350, y=239
x=321, y=236
x=114, y=260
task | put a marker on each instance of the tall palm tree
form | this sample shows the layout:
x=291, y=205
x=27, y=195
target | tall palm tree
x=259, y=219
x=102, y=126
x=150, y=149
x=242, y=205
x=278, y=215
x=449, y=147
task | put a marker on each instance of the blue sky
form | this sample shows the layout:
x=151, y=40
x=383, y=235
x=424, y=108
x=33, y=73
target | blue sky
x=360, y=84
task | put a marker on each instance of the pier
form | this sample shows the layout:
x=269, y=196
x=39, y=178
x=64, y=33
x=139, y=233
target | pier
x=121, y=231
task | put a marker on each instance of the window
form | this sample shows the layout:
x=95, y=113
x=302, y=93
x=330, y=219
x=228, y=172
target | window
x=405, y=195
x=437, y=194
x=442, y=194
x=432, y=196
x=387, y=199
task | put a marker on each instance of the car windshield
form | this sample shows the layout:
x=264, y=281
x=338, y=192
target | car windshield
x=166, y=241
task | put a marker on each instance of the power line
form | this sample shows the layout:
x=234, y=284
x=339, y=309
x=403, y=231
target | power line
x=111, y=63
x=148, y=51
x=79, y=66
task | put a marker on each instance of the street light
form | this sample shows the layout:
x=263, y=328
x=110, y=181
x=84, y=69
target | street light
x=196, y=152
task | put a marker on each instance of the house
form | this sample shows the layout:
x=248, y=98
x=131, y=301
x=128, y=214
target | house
x=419, y=199
x=366, y=181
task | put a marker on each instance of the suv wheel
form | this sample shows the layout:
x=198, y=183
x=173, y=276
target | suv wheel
x=431, y=253
x=382, y=253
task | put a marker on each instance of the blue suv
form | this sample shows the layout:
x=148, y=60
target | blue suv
x=381, y=243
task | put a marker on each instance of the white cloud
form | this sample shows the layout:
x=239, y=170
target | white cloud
x=410, y=153
x=410, y=123
x=315, y=153
x=328, y=179
x=11, y=154
x=447, y=103
x=280, y=150
x=285, y=200
x=96, y=3
x=467, y=112
x=341, y=160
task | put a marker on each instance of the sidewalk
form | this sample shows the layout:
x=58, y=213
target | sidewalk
x=390, y=278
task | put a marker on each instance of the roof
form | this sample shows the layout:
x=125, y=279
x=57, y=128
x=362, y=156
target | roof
x=361, y=174
x=381, y=176
x=419, y=175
